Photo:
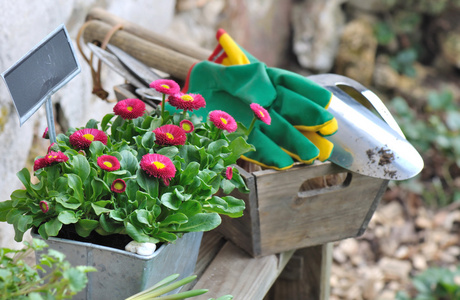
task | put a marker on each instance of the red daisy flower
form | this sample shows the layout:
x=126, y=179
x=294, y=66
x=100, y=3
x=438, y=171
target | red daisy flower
x=40, y=163
x=223, y=120
x=187, y=126
x=187, y=101
x=165, y=86
x=129, y=109
x=44, y=206
x=108, y=162
x=82, y=138
x=229, y=173
x=159, y=166
x=170, y=135
x=261, y=113
x=50, y=159
x=46, y=134
x=118, y=186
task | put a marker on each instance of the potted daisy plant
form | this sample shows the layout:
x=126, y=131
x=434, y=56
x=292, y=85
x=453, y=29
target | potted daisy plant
x=135, y=180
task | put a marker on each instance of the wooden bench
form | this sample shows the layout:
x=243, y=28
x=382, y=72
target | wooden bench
x=223, y=268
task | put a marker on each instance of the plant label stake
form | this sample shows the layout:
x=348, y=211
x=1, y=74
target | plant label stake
x=40, y=73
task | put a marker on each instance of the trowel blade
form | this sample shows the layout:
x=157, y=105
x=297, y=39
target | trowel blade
x=364, y=142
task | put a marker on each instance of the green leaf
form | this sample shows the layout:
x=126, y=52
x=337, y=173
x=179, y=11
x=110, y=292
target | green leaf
x=170, y=152
x=238, y=147
x=149, y=184
x=98, y=210
x=190, y=208
x=137, y=234
x=190, y=172
x=129, y=162
x=215, y=147
x=67, y=217
x=52, y=227
x=84, y=227
x=148, y=140
x=170, y=200
x=24, y=176
x=76, y=278
x=71, y=202
x=105, y=121
x=75, y=184
x=228, y=205
x=201, y=222
x=5, y=208
x=177, y=218
x=80, y=166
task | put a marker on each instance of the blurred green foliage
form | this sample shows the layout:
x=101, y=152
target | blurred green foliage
x=435, y=284
x=435, y=130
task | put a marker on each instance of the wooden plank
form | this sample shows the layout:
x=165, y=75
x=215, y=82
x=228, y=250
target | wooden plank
x=291, y=218
x=160, y=58
x=162, y=40
x=244, y=231
x=234, y=272
x=306, y=276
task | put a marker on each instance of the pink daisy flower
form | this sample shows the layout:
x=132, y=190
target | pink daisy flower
x=46, y=134
x=187, y=102
x=108, y=162
x=223, y=120
x=44, y=206
x=166, y=86
x=129, y=109
x=170, y=135
x=50, y=159
x=261, y=113
x=118, y=186
x=82, y=139
x=229, y=173
x=187, y=126
x=158, y=166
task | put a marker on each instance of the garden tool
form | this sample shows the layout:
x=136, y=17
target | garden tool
x=368, y=143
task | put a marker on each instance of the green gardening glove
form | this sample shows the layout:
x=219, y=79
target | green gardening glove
x=295, y=105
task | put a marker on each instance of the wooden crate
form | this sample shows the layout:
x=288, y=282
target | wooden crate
x=282, y=215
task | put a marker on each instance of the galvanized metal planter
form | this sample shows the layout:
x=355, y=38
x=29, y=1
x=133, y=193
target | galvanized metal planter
x=122, y=274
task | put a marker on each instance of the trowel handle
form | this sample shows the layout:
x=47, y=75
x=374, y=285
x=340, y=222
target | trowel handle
x=335, y=80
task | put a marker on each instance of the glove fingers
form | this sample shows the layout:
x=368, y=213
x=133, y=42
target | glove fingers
x=301, y=112
x=292, y=141
x=300, y=85
x=329, y=128
x=325, y=147
x=268, y=154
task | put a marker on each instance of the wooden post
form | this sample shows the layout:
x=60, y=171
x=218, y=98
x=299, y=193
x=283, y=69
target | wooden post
x=306, y=276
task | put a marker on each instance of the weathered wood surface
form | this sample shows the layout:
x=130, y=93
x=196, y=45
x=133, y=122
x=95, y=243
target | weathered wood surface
x=291, y=218
x=306, y=276
x=159, y=39
x=153, y=55
x=231, y=271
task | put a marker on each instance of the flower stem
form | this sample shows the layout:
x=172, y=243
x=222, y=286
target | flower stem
x=251, y=126
x=163, y=107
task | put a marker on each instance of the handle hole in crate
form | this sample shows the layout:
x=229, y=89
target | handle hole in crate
x=324, y=184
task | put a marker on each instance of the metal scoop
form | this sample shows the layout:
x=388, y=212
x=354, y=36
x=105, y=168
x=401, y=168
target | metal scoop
x=368, y=141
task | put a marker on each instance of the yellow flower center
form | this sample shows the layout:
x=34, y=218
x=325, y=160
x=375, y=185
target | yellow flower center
x=170, y=136
x=89, y=137
x=165, y=86
x=224, y=121
x=158, y=164
x=261, y=113
x=129, y=108
x=108, y=164
x=118, y=185
x=51, y=156
x=186, y=98
x=186, y=127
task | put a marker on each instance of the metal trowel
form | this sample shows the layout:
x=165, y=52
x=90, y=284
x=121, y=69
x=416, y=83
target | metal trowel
x=368, y=141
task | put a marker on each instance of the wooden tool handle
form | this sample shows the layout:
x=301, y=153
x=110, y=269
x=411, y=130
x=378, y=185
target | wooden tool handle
x=160, y=58
x=148, y=35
